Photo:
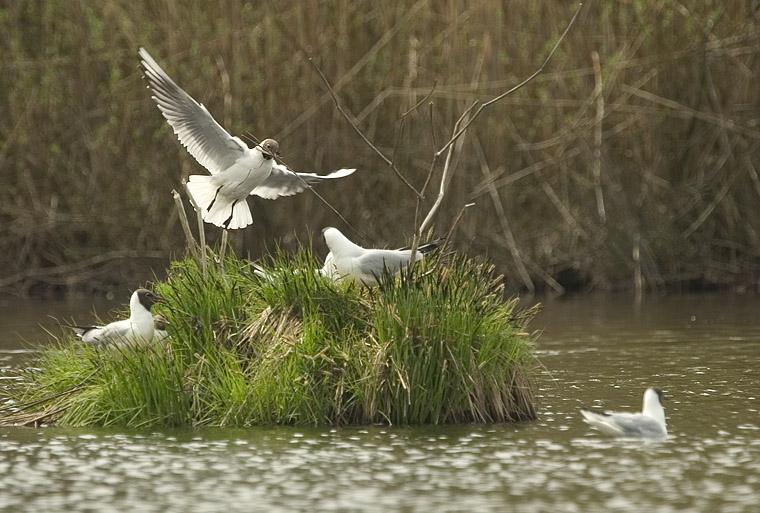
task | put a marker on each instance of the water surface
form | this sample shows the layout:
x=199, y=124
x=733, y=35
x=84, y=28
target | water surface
x=598, y=351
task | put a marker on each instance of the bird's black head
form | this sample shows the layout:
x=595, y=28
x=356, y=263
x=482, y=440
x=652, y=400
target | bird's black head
x=269, y=148
x=148, y=298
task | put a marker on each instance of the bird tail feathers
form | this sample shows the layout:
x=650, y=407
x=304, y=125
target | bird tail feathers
x=430, y=246
x=217, y=208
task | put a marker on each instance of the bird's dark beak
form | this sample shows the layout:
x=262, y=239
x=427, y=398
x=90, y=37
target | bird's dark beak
x=159, y=299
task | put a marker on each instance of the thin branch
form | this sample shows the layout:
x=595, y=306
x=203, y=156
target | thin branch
x=358, y=66
x=201, y=230
x=358, y=130
x=446, y=177
x=503, y=220
x=403, y=118
x=432, y=125
x=515, y=88
x=191, y=244
x=464, y=121
x=454, y=225
x=444, y=181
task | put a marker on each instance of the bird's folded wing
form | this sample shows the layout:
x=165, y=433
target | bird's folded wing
x=631, y=424
x=119, y=331
x=86, y=333
x=284, y=182
x=638, y=425
x=374, y=262
x=197, y=130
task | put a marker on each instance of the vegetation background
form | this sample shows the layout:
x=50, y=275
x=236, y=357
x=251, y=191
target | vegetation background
x=630, y=163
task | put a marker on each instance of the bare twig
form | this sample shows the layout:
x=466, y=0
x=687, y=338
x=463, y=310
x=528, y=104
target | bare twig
x=67, y=392
x=446, y=176
x=403, y=118
x=311, y=189
x=358, y=130
x=432, y=125
x=464, y=121
x=191, y=243
x=223, y=248
x=201, y=230
x=451, y=230
x=458, y=133
x=688, y=112
x=67, y=272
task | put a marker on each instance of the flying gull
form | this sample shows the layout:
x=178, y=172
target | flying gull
x=236, y=170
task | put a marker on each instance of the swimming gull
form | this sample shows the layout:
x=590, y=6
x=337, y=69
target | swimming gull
x=650, y=423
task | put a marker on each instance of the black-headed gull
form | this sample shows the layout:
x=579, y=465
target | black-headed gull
x=138, y=329
x=350, y=262
x=236, y=170
x=650, y=423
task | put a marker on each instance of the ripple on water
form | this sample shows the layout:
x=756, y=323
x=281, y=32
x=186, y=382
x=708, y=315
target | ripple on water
x=711, y=461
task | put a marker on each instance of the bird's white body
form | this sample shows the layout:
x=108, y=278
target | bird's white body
x=223, y=196
x=650, y=423
x=237, y=171
x=138, y=329
x=351, y=262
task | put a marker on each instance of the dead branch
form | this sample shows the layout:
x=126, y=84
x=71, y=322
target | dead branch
x=515, y=88
x=464, y=121
x=338, y=106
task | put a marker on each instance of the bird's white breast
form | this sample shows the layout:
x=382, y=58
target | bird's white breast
x=249, y=171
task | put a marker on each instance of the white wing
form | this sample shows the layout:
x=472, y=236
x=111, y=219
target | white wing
x=88, y=334
x=114, y=333
x=374, y=261
x=197, y=130
x=625, y=424
x=284, y=182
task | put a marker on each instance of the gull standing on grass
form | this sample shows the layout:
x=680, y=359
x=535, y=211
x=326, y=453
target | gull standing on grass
x=347, y=261
x=650, y=423
x=236, y=170
x=139, y=329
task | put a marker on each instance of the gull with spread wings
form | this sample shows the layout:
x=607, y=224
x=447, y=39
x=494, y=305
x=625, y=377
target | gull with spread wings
x=237, y=171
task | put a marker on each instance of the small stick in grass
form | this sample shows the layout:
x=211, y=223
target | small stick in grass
x=201, y=230
x=191, y=243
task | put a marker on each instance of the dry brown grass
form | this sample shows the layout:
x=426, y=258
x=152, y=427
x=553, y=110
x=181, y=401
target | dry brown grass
x=631, y=160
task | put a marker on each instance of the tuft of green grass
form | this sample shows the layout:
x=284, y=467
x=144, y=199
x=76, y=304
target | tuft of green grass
x=293, y=347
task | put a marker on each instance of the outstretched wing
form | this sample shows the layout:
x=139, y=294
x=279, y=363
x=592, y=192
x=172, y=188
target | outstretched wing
x=197, y=130
x=284, y=182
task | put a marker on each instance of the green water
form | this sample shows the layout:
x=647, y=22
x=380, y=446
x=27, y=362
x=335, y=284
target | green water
x=598, y=351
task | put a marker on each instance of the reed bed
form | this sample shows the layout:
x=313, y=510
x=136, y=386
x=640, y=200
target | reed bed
x=630, y=163
x=440, y=346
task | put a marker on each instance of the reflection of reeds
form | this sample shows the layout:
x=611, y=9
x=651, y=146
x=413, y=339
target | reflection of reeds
x=647, y=150
x=443, y=346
